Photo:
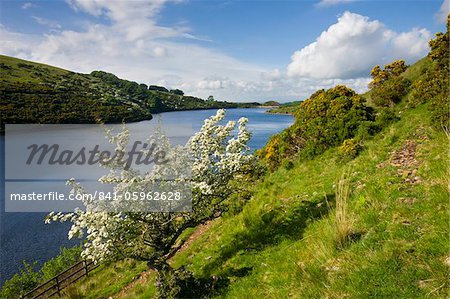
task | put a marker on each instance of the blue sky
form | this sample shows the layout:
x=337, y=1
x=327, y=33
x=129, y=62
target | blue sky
x=235, y=50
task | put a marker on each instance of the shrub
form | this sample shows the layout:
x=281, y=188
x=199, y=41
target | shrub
x=385, y=117
x=391, y=70
x=367, y=130
x=388, y=87
x=20, y=283
x=288, y=164
x=441, y=112
x=25, y=65
x=66, y=258
x=324, y=120
x=390, y=92
x=28, y=277
x=349, y=149
x=434, y=86
x=181, y=283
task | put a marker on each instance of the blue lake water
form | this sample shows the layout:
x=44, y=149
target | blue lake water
x=25, y=237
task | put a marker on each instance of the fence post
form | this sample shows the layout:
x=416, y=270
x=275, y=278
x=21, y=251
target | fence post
x=86, y=267
x=57, y=286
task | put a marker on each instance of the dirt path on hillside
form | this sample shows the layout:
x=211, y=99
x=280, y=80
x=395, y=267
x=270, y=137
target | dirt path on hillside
x=143, y=278
x=406, y=162
x=195, y=235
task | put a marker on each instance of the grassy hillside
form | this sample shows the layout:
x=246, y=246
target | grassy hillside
x=38, y=93
x=286, y=240
x=16, y=70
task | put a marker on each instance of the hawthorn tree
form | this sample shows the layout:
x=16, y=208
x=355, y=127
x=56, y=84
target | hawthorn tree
x=219, y=154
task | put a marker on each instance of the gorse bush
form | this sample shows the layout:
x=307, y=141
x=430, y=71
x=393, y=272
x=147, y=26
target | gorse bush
x=367, y=130
x=433, y=87
x=388, y=87
x=391, y=70
x=385, y=117
x=331, y=116
x=324, y=120
x=349, y=149
x=390, y=92
x=284, y=144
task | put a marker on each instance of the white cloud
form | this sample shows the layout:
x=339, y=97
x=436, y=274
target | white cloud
x=46, y=22
x=17, y=44
x=160, y=52
x=352, y=46
x=136, y=19
x=441, y=16
x=145, y=60
x=28, y=5
x=214, y=83
x=273, y=75
x=325, y=3
x=199, y=38
x=412, y=44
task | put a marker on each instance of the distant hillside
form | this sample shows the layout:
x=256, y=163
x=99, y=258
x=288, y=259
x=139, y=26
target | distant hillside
x=38, y=93
x=285, y=108
x=271, y=104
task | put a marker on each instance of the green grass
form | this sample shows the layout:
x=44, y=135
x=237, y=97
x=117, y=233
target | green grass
x=414, y=71
x=284, y=242
x=106, y=280
x=400, y=254
x=14, y=70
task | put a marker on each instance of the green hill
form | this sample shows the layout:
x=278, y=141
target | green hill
x=37, y=93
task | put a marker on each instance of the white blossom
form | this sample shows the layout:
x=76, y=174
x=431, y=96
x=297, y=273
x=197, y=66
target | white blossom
x=216, y=157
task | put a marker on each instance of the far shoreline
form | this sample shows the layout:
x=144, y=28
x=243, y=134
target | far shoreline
x=279, y=113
